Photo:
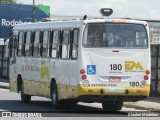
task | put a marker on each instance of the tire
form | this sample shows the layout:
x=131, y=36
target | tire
x=112, y=105
x=24, y=97
x=54, y=96
x=118, y=105
x=107, y=105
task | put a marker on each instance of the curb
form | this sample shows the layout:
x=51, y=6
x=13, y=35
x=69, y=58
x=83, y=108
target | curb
x=139, y=107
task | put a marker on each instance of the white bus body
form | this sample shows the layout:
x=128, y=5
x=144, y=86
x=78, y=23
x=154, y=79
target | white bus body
x=112, y=69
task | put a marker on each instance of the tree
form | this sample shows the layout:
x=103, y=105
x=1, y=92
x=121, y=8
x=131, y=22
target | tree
x=8, y=1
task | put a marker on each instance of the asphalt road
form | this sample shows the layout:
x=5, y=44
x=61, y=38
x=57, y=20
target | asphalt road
x=10, y=102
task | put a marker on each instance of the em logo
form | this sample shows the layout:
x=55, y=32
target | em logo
x=130, y=65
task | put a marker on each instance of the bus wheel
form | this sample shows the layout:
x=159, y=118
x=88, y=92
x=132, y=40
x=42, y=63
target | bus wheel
x=118, y=105
x=24, y=98
x=112, y=105
x=54, y=96
x=108, y=105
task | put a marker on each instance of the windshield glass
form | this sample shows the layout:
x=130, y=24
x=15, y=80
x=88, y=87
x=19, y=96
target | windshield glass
x=113, y=35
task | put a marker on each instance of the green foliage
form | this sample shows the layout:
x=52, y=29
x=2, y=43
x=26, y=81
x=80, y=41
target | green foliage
x=8, y=1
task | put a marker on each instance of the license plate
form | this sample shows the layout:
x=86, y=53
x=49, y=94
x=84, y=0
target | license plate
x=115, y=79
x=115, y=90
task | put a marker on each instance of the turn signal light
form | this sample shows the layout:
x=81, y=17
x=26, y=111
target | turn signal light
x=145, y=77
x=147, y=72
x=82, y=71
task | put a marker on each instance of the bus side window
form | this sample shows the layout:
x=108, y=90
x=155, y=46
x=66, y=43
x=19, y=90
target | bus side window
x=55, y=40
x=23, y=44
x=45, y=41
x=36, y=47
x=20, y=40
x=27, y=44
x=32, y=43
x=65, y=44
x=74, y=45
x=12, y=45
x=15, y=38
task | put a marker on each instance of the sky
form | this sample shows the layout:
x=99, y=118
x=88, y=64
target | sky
x=149, y=9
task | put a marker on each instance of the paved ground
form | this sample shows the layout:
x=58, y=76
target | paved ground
x=4, y=84
x=150, y=104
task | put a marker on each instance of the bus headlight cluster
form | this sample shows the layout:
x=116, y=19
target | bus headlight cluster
x=83, y=75
x=146, y=78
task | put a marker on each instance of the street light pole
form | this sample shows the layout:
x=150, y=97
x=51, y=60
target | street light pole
x=33, y=11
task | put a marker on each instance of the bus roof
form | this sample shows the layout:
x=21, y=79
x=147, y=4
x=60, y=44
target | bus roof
x=117, y=20
x=70, y=24
x=48, y=25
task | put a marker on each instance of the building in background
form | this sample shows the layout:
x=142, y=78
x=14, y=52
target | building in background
x=10, y=15
x=154, y=26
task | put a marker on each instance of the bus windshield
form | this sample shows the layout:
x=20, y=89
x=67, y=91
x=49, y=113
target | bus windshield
x=115, y=35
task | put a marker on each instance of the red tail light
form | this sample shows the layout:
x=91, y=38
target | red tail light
x=84, y=77
x=145, y=77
